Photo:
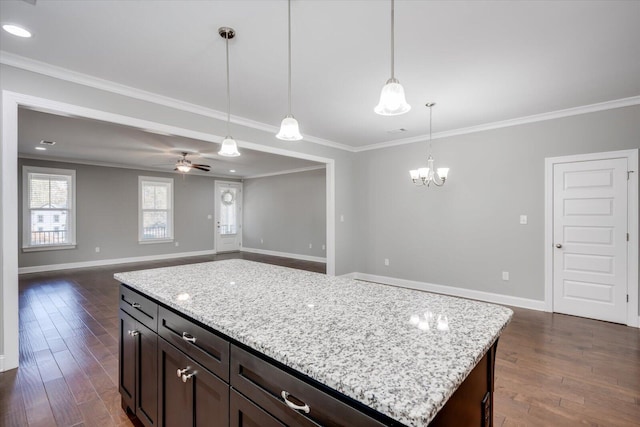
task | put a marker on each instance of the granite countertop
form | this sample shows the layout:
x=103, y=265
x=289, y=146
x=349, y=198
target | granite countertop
x=399, y=351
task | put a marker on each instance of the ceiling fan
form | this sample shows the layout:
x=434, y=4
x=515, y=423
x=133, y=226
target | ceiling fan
x=183, y=165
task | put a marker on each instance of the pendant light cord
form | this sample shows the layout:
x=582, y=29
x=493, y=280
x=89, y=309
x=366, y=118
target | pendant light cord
x=289, y=21
x=392, y=39
x=430, y=127
x=228, y=87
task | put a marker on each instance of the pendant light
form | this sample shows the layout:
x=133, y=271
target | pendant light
x=428, y=175
x=289, y=129
x=229, y=147
x=392, y=100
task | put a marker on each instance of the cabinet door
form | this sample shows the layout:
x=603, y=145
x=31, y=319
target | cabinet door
x=147, y=376
x=246, y=414
x=198, y=399
x=127, y=365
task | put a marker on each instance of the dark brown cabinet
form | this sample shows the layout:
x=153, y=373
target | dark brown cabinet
x=245, y=414
x=190, y=395
x=138, y=369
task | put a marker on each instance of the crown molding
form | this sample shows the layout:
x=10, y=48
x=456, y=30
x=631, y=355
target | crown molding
x=568, y=112
x=66, y=74
x=307, y=169
x=117, y=165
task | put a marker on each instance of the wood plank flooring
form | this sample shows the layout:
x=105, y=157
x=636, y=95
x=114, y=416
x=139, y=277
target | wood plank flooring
x=551, y=370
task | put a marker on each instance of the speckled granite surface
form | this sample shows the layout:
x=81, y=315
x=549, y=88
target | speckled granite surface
x=401, y=352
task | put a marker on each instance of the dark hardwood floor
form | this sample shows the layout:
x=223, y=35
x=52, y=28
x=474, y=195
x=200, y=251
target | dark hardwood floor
x=551, y=370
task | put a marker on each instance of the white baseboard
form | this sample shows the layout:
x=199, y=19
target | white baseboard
x=284, y=254
x=101, y=262
x=451, y=290
x=1, y=362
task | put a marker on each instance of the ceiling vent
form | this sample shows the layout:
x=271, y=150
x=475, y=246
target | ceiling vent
x=397, y=130
x=44, y=142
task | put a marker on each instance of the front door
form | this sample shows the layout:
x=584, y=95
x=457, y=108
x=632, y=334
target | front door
x=228, y=216
x=590, y=239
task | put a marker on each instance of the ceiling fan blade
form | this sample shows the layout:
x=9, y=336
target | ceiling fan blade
x=202, y=166
x=202, y=169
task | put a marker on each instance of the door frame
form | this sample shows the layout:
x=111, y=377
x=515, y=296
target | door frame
x=216, y=211
x=633, y=318
x=11, y=101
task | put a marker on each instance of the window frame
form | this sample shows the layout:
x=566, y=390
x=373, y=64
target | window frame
x=170, y=210
x=26, y=209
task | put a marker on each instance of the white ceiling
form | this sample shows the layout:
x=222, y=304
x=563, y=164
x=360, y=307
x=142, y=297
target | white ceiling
x=94, y=142
x=481, y=61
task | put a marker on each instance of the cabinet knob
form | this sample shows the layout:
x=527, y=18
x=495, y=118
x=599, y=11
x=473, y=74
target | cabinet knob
x=181, y=371
x=188, y=337
x=133, y=333
x=304, y=408
x=187, y=377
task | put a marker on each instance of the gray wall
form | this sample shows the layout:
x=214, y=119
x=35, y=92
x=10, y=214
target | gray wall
x=288, y=212
x=467, y=232
x=107, y=215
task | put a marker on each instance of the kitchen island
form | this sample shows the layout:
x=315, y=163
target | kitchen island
x=393, y=355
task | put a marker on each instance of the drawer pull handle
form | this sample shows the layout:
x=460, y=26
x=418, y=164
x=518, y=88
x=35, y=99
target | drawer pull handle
x=305, y=408
x=135, y=305
x=188, y=337
x=133, y=333
x=181, y=371
x=186, y=377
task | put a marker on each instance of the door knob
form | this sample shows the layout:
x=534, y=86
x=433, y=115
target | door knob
x=558, y=245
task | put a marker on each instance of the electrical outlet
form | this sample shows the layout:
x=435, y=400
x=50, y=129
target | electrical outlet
x=386, y=262
x=341, y=218
x=177, y=244
x=97, y=249
x=310, y=246
x=262, y=241
x=209, y=216
x=324, y=247
x=505, y=276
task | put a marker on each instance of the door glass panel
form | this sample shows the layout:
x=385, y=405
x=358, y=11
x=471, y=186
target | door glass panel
x=228, y=211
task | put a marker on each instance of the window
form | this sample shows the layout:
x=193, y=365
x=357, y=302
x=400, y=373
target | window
x=155, y=216
x=48, y=198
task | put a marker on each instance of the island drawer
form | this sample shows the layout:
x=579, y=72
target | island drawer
x=139, y=307
x=268, y=386
x=202, y=345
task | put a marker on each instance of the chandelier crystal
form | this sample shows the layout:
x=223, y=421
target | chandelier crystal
x=392, y=100
x=229, y=147
x=428, y=175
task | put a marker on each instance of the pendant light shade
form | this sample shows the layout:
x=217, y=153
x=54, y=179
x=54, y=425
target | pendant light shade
x=392, y=101
x=289, y=129
x=229, y=147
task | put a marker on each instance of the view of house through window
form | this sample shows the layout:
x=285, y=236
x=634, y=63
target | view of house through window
x=49, y=214
x=156, y=209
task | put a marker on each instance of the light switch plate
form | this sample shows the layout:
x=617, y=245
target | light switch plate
x=523, y=219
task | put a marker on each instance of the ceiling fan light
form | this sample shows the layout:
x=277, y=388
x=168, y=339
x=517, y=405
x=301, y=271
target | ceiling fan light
x=392, y=99
x=289, y=129
x=229, y=148
x=183, y=168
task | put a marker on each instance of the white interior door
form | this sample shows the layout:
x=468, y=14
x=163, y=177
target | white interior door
x=228, y=216
x=590, y=239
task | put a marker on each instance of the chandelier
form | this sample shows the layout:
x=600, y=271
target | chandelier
x=428, y=175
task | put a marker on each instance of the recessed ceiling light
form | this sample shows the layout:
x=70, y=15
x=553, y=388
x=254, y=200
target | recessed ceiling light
x=16, y=30
x=45, y=142
x=400, y=130
x=41, y=148
x=232, y=170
